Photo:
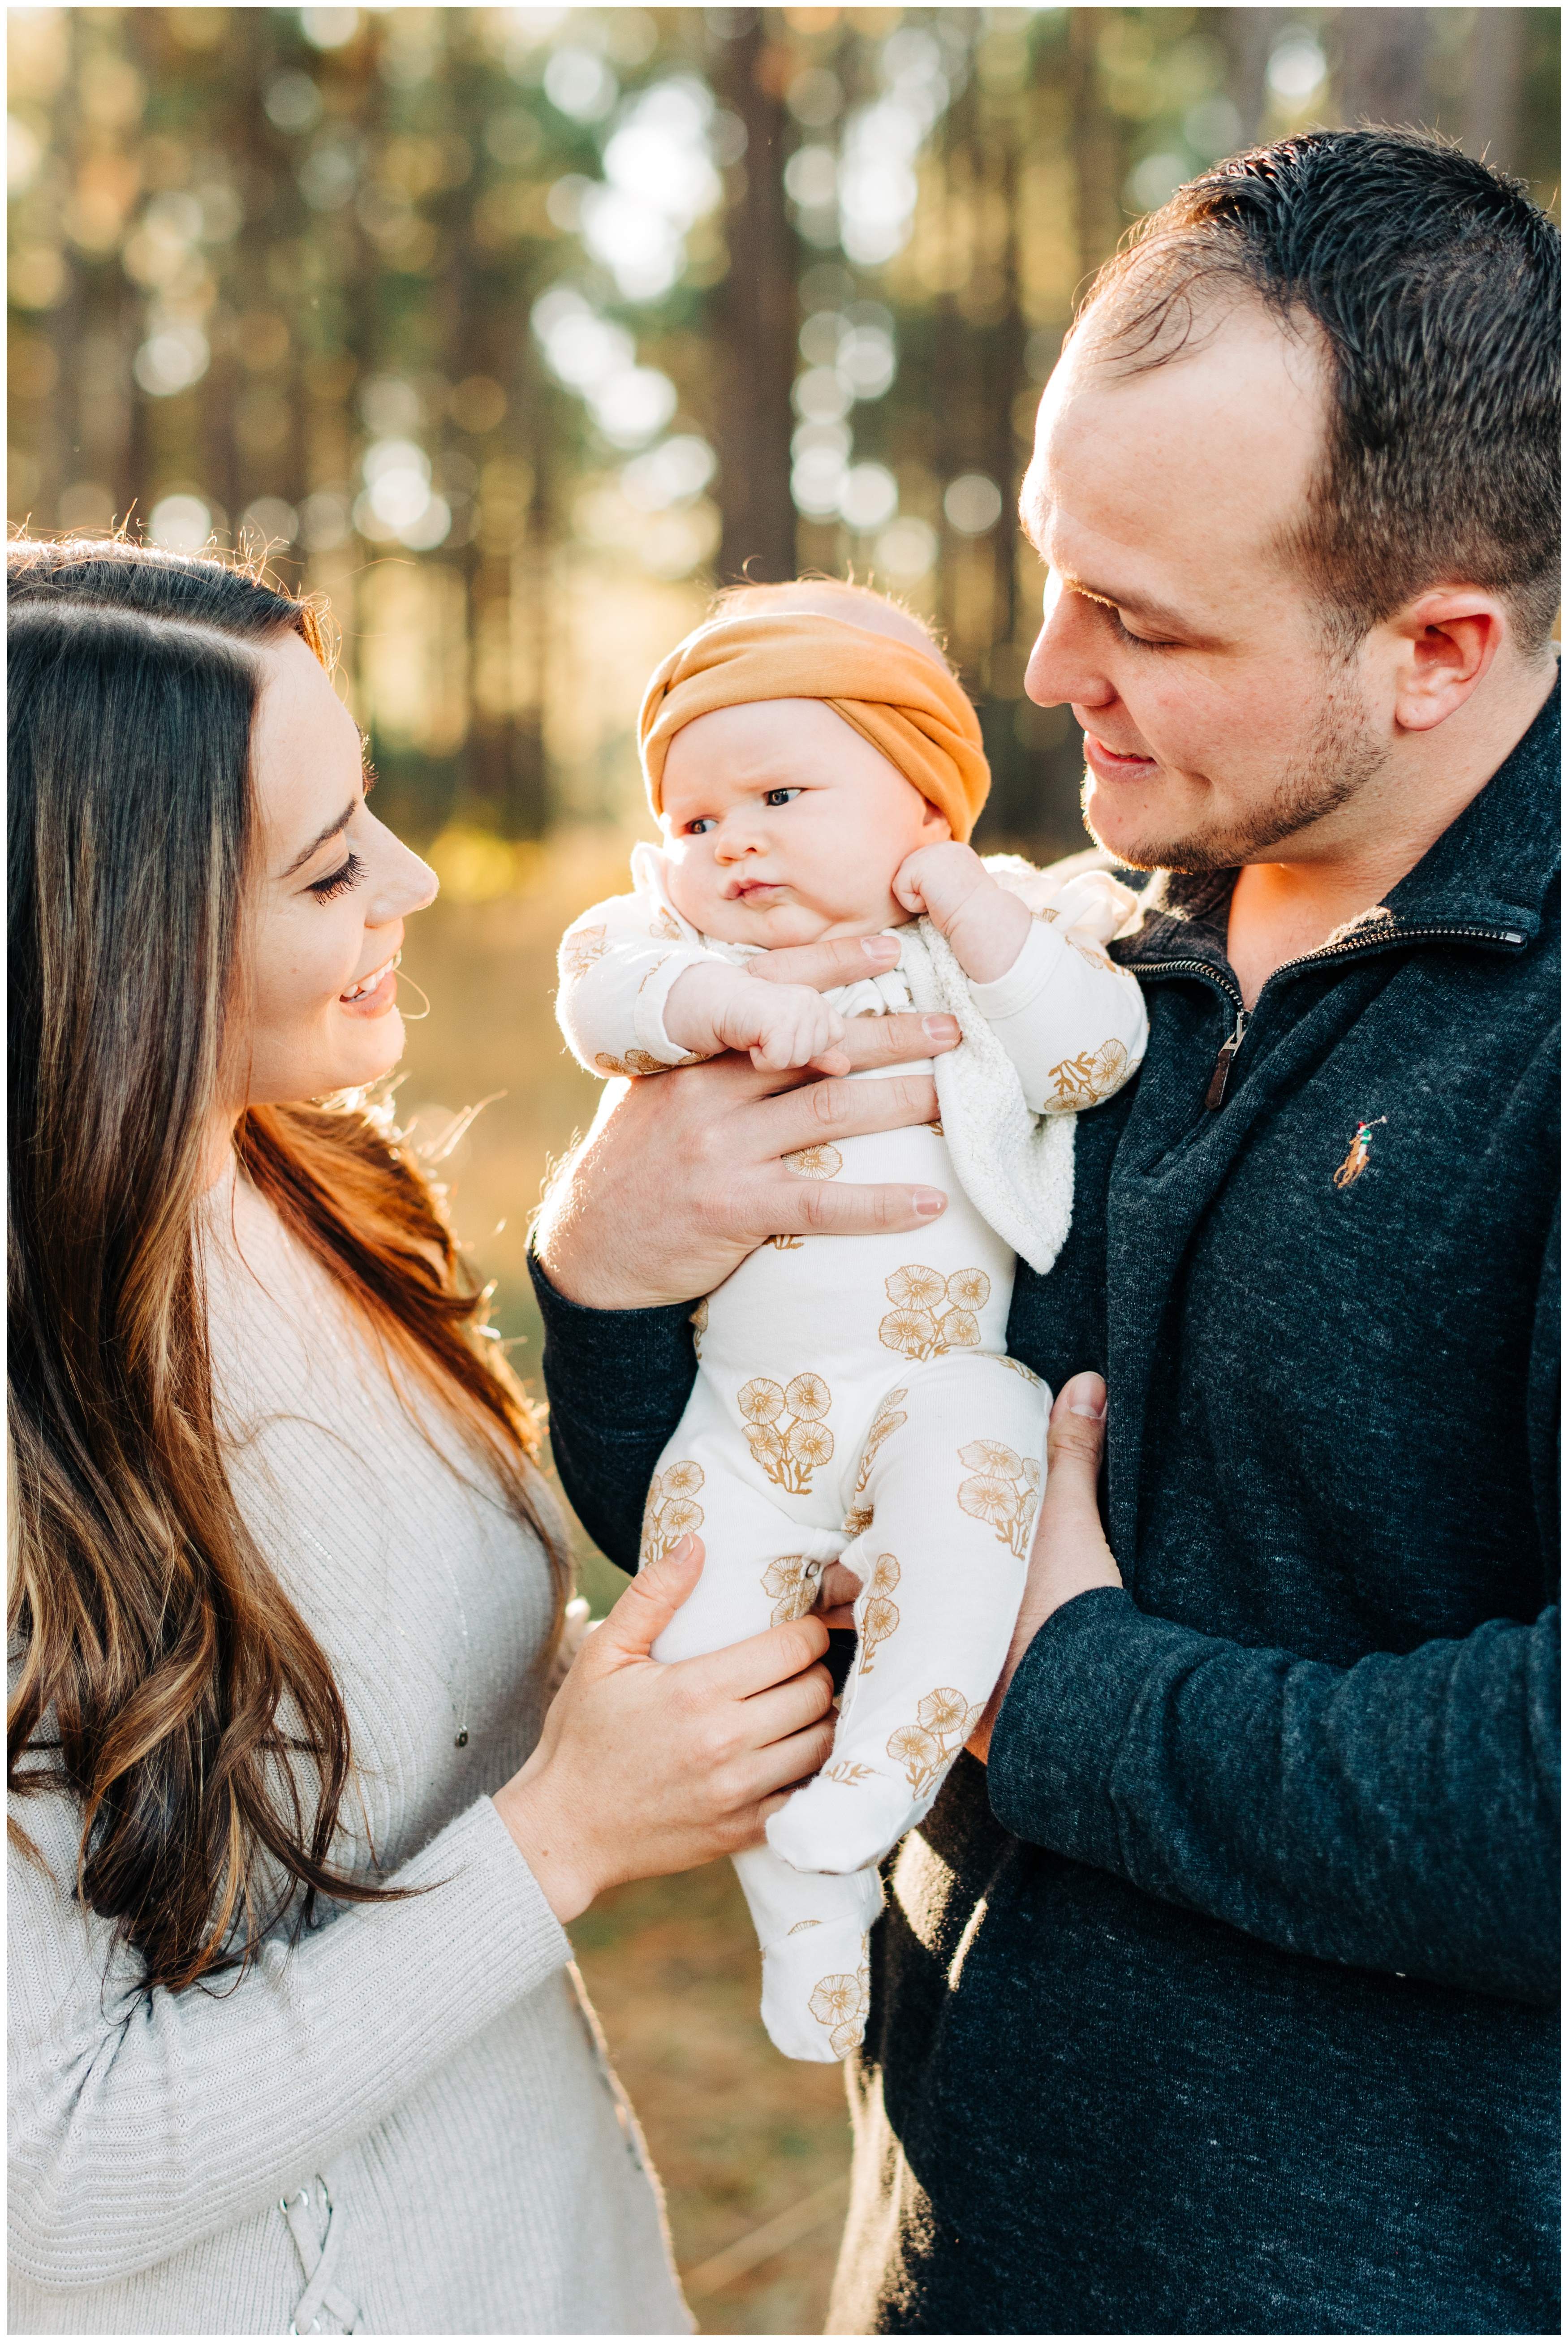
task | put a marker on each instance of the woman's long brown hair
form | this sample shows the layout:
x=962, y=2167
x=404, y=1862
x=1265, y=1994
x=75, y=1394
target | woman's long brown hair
x=167, y=1680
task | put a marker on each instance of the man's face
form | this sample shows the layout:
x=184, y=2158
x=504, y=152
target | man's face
x=1216, y=722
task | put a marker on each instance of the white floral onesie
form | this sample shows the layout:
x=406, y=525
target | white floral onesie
x=854, y=1398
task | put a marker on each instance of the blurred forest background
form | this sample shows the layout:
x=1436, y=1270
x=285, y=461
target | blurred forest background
x=513, y=331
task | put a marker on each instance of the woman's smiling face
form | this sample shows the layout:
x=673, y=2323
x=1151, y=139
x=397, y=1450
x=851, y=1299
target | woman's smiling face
x=784, y=825
x=330, y=889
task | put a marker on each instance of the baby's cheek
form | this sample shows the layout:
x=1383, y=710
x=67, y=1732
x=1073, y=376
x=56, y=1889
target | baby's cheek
x=685, y=878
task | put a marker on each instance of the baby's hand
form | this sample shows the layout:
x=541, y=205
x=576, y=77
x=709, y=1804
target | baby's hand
x=716, y=1006
x=940, y=879
x=985, y=924
x=790, y=1025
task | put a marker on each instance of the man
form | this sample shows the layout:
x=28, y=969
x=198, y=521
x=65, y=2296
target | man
x=1218, y=2000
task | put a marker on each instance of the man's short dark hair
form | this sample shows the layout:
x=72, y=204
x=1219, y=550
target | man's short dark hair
x=1435, y=283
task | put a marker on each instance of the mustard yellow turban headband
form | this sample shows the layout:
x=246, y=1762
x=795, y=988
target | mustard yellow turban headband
x=903, y=700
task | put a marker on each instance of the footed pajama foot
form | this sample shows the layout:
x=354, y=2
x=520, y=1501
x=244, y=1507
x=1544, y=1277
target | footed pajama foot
x=845, y=1824
x=817, y=1989
x=813, y=1933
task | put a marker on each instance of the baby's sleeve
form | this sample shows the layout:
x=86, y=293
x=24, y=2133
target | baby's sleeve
x=617, y=963
x=1071, y=1021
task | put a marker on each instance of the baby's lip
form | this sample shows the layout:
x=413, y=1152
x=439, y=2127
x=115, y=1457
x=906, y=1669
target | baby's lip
x=744, y=890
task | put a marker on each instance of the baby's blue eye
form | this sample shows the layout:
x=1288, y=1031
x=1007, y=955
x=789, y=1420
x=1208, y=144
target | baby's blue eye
x=780, y=796
x=695, y=828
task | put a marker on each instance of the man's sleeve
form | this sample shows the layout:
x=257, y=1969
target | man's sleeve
x=618, y=1381
x=1400, y=1815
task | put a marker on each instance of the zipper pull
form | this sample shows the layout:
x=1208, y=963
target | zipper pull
x=1216, y=1097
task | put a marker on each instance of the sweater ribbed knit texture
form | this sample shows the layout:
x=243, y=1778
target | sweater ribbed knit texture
x=431, y=2059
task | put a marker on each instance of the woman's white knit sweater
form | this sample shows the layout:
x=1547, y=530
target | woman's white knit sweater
x=426, y=2068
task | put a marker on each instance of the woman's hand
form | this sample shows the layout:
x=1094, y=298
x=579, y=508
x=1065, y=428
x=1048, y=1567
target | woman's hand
x=681, y=1175
x=1070, y=1555
x=643, y=1768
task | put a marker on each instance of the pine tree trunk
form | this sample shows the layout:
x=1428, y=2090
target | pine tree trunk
x=1383, y=55
x=1494, y=70
x=1248, y=33
x=757, y=326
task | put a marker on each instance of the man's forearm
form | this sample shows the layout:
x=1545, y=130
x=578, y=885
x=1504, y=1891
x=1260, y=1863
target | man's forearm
x=1399, y=1814
x=617, y=1380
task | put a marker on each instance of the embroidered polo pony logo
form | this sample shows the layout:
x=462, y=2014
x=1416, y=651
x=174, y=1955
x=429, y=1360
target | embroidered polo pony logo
x=1354, y=1162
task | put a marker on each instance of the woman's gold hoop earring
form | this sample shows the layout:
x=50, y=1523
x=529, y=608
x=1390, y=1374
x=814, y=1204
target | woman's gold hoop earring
x=419, y=1017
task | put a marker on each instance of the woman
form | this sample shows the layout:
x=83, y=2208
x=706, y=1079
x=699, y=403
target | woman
x=297, y=2043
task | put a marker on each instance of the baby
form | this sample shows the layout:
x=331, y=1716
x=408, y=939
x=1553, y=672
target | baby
x=816, y=770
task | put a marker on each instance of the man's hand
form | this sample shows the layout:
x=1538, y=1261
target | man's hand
x=1071, y=1554
x=681, y=1174
x=986, y=925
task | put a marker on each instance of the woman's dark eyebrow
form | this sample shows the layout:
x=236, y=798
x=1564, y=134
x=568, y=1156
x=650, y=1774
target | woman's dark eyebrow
x=343, y=818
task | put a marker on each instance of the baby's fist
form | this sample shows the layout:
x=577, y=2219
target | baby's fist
x=939, y=880
x=986, y=927
x=792, y=1026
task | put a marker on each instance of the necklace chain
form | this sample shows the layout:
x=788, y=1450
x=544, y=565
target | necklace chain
x=459, y=1716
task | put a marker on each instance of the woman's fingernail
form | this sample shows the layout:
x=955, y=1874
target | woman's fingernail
x=943, y=1029
x=879, y=947
x=1095, y=1414
x=929, y=1201
x=682, y=1551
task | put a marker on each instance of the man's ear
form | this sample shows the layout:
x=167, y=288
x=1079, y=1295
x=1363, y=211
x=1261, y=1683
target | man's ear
x=1445, y=642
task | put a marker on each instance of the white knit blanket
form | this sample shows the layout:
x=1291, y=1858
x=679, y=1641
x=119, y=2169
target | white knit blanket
x=1016, y=1166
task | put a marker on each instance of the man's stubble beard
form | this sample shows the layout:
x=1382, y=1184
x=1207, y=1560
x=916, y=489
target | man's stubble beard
x=1338, y=762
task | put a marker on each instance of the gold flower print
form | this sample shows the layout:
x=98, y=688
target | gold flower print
x=670, y=1513
x=1048, y=915
x=698, y=1321
x=665, y=929
x=927, y=1748
x=1004, y=1491
x=1091, y=951
x=816, y=1162
x=785, y=1243
x=580, y=948
x=793, y=1580
x=843, y=2002
x=784, y=1429
x=1018, y=1367
x=636, y=1061
x=933, y=1314
x=848, y=1776
x=802, y=1925
x=889, y=1416
x=880, y=1618
x=1083, y=1081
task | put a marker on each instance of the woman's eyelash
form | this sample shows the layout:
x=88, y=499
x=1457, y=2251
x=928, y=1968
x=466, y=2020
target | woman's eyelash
x=339, y=881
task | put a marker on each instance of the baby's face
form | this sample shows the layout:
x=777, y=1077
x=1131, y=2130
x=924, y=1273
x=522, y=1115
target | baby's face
x=784, y=825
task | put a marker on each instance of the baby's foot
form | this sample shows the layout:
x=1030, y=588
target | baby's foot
x=846, y=1819
x=817, y=1989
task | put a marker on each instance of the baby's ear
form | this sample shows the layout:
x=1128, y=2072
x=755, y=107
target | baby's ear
x=934, y=823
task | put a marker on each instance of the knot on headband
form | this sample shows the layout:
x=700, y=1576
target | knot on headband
x=900, y=699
